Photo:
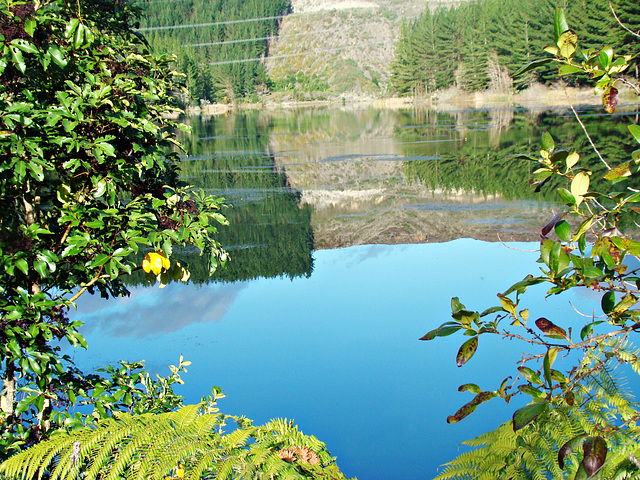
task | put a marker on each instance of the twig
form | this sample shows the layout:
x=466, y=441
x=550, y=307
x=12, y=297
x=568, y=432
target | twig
x=512, y=248
x=589, y=137
x=622, y=24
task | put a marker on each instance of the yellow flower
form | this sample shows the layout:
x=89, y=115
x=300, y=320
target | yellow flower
x=155, y=262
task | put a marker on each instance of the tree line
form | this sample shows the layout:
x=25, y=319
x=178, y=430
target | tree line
x=480, y=44
x=217, y=43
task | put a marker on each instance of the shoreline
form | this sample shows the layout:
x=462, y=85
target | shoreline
x=537, y=96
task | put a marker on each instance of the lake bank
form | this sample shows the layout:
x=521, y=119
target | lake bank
x=537, y=96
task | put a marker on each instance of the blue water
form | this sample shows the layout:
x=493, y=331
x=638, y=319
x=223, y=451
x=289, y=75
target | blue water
x=339, y=351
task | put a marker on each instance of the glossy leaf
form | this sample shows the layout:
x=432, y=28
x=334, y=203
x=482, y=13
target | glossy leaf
x=568, y=448
x=595, y=454
x=531, y=65
x=563, y=231
x=635, y=131
x=608, y=302
x=553, y=222
x=525, y=415
x=550, y=329
x=466, y=351
x=560, y=24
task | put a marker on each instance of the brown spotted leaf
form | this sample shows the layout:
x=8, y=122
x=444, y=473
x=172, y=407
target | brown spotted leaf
x=551, y=329
x=466, y=351
x=595, y=453
x=610, y=99
x=468, y=408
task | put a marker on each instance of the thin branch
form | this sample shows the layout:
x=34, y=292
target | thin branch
x=589, y=137
x=512, y=248
x=622, y=24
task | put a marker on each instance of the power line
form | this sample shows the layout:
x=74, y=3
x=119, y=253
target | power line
x=246, y=40
x=211, y=24
x=270, y=57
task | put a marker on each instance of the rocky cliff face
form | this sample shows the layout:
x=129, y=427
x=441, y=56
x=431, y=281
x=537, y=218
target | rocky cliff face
x=347, y=43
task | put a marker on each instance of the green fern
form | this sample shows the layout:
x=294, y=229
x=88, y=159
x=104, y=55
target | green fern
x=188, y=444
x=603, y=405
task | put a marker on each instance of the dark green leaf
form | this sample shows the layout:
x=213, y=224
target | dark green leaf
x=563, y=231
x=469, y=387
x=525, y=415
x=530, y=375
x=530, y=66
x=568, y=448
x=608, y=302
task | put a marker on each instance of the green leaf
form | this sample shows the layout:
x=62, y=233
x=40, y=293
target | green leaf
x=567, y=197
x=567, y=43
x=532, y=391
x=525, y=415
x=569, y=69
x=549, y=358
x=466, y=351
x=22, y=265
x=635, y=131
x=456, y=305
x=531, y=66
x=571, y=160
x=608, y=302
x=580, y=187
x=605, y=57
x=568, y=448
x=469, y=387
x=547, y=141
x=560, y=24
x=563, y=231
x=530, y=375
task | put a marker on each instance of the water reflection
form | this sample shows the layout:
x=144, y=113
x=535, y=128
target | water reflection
x=296, y=327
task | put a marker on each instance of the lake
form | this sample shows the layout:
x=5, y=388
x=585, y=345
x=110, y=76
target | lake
x=350, y=232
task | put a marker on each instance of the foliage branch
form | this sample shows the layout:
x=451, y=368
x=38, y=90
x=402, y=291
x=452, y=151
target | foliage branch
x=89, y=176
x=580, y=247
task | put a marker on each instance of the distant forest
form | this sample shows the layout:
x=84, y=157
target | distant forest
x=210, y=36
x=480, y=44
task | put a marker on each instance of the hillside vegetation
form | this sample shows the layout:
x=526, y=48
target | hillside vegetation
x=480, y=44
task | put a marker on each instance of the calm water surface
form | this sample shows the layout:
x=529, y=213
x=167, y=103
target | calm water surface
x=350, y=233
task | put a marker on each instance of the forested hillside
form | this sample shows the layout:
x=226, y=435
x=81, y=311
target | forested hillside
x=218, y=42
x=480, y=44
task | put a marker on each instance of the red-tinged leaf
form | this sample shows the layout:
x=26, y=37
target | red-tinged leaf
x=466, y=351
x=525, y=415
x=469, y=408
x=570, y=399
x=470, y=387
x=549, y=328
x=595, y=453
x=568, y=448
x=610, y=99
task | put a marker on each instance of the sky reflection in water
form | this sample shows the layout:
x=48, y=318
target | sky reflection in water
x=339, y=351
